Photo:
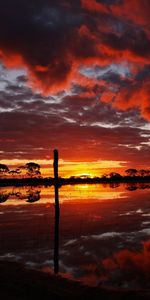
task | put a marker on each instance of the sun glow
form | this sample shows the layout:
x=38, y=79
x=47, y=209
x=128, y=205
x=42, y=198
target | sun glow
x=89, y=169
x=72, y=193
x=72, y=168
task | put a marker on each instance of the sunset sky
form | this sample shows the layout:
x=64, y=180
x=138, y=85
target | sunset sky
x=75, y=75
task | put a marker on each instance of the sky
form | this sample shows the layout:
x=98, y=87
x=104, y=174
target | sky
x=75, y=75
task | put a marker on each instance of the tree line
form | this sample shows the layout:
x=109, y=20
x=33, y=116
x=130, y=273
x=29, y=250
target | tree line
x=30, y=170
x=129, y=173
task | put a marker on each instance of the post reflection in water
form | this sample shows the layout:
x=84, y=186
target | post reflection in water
x=56, y=231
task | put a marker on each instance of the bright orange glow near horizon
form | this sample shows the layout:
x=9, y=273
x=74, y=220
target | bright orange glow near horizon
x=73, y=168
x=87, y=95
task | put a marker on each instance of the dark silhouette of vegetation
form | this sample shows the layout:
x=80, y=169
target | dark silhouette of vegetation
x=31, y=195
x=4, y=197
x=33, y=169
x=14, y=172
x=3, y=170
x=131, y=172
x=144, y=173
x=30, y=175
x=115, y=175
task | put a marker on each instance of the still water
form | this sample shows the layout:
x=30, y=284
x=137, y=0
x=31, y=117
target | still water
x=104, y=232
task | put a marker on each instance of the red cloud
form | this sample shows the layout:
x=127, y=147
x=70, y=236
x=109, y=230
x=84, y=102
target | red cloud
x=93, y=5
x=137, y=11
x=134, y=95
x=53, y=40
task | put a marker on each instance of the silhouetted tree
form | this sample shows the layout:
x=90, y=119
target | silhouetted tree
x=114, y=175
x=131, y=172
x=131, y=187
x=144, y=173
x=114, y=185
x=104, y=176
x=3, y=170
x=4, y=197
x=33, y=196
x=22, y=170
x=14, y=172
x=141, y=172
x=33, y=169
x=147, y=172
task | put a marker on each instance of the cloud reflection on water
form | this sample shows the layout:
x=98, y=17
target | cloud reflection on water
x=99, y=234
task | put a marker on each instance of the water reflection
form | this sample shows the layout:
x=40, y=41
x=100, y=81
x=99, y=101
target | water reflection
x=104, y=232
x=78, y=192
x=4, y=197
x=31, y=194
x=128, y=267
x=135, y=186
x=56, y=231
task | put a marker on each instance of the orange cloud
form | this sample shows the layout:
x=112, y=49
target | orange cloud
x=136, y=95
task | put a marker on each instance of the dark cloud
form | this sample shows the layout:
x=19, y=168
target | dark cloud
x=23, y=133
x=30, y=122
x=86, y=77
x=52, y=39
x=42, y=35
x=133, y=40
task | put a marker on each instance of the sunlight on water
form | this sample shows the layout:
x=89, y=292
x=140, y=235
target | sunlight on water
x=85, y=192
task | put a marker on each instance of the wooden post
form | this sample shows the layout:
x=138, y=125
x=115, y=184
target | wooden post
x=56, y=177
x=56, y=164
x=56, y=233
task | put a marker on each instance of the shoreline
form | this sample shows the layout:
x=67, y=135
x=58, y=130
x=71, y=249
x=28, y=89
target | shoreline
x=71, y=181
x=19, y=283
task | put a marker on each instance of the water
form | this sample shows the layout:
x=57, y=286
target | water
x=104, y=232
